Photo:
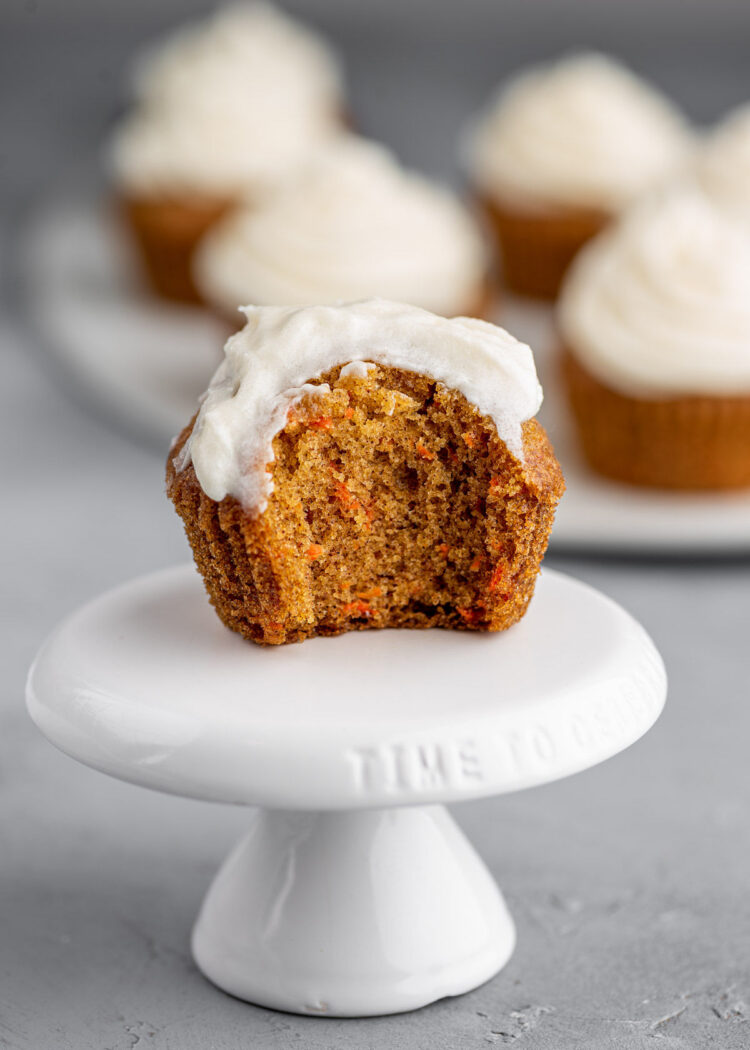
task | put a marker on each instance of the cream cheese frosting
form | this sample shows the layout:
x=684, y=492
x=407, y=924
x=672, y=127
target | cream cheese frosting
x=659, y=305
x=229, y=105
x=354, y=223
x=723, y=165
x=583, y=132
x=273, y=362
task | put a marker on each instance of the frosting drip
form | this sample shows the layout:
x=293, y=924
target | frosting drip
x=584, y=132
x=353, y=224
x=660, y=304
x=228, y=105
x=269, y=364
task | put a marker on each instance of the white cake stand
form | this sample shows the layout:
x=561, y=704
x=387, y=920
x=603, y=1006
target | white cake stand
x=354, y=892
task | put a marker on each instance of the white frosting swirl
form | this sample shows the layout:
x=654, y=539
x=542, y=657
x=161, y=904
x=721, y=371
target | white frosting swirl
x=268, y=365
x=229, y=105
x=584, y=132
x=659, y=305
x=353, y=224
x=723, y=165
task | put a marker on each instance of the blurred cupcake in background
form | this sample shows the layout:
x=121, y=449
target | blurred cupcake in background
x=655, y=321
x=353, y=224
x=559, y=152
x=723, y=165
x=226, y=108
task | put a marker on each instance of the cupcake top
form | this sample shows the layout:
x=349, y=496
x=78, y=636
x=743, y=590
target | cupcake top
x=584, y=132
x=228, y=105
x=659, y=305
x=354, y=223
x=723, y=165
x=269, y=363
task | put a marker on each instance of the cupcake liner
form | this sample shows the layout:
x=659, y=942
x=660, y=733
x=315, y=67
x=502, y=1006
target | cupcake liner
x=537, y=247
x=166, y=233
x=691, y=442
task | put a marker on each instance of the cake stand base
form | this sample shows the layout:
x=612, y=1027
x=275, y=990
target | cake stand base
x=354, y=893
x=352, y=914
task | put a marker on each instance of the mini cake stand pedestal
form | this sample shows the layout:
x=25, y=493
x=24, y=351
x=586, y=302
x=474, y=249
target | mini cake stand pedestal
x=354, y=893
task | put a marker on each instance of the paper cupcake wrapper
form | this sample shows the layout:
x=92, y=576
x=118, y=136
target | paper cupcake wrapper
x=538, y=247
x=676, y=443
x=165, y=234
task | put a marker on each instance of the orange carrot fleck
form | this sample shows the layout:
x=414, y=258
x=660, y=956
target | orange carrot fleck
x=314, y=551
x=498, y=576
x=349, y=413
x=444, y=548
x=469, y=439
x=424, y=452
x=374, y=592
x=470, y=616
x=359, y=607
x=476, y=564
x=494, y=483
x=320, y=422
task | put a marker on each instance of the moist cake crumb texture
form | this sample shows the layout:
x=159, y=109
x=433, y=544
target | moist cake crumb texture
x=394, y=504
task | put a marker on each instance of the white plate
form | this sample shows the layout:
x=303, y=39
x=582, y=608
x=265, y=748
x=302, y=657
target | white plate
x=146, y=362
x=143, y=360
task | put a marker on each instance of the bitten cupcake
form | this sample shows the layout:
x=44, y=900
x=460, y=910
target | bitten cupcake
x=367, y=465
x=655, y=320
x=723, y=165
x=225, y=109
x=353, y=224
x=559, y=152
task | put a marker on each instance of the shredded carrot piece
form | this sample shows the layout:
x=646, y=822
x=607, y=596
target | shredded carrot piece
x=349, y=413
x=314, y=551
x=469, y=439
x=424, y=452
x=359, y=607
x=274, y=625
x=351, y=503
x=498, y=575
x=320, y=422
x=476, y=564
x=469, y=615
x=444, y=548
x=494, y=483
x=374, y=592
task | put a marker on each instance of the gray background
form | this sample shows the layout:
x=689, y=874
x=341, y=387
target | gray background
x=629, y=883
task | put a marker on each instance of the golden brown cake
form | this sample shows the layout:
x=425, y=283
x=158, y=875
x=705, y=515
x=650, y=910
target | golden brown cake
x=387, y=497
x=559, y=152
x=655, y=320
x=224, y=111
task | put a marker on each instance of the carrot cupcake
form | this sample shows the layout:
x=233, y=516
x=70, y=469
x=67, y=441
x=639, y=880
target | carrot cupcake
x=655, y=320
x=225, y=109
x=367, y=465
x=559, y=152
x=353, y=224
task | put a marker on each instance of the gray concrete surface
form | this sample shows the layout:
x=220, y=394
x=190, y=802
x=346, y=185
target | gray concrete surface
x=628, y=883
